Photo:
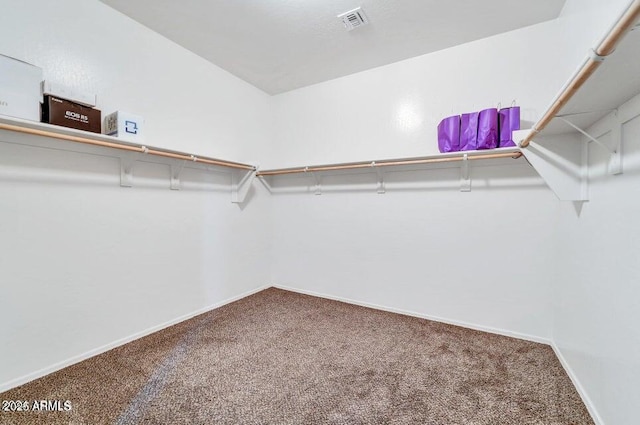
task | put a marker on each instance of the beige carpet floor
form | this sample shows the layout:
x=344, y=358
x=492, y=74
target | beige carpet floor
x=279, y=357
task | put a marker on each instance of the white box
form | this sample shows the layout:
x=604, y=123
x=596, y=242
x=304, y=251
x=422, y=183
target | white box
x=125, y=126
x=19, y=89
x=68, y=93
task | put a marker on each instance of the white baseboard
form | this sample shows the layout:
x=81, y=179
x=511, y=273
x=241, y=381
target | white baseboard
x=76, y=359
x=576, y=383
x=91, y=353
x=489, y=329
x=581, y=391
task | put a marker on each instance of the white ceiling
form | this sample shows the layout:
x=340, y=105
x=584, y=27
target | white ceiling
x=281, y=45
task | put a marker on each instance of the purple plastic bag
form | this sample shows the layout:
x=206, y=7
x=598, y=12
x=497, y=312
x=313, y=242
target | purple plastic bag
x=488, y=129
x=469, y=131
x=449, y=134
x=509, y=120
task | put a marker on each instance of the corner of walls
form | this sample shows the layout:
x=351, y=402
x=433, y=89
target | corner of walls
x=596, y=291
x=584, y=395
x=423, y=250
x=469, y=325
x=593, y=289
x=5, y=386
x=100, y=264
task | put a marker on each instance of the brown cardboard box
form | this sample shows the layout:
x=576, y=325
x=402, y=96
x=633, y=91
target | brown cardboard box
x=69, y=114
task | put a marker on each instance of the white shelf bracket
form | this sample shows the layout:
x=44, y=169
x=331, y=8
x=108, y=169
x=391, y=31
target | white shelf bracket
x=266, y=184
x=381, y=188
x=316, y=179
x=587, y=135
x=615, y=152
x=562, y=165
x=465, y=178
x=615, y=161
x=176, y=170
x=241, y=181
x=126, y=171
x=596, y=57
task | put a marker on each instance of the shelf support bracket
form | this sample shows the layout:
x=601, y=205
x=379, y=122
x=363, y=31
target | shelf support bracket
x=615, y=162
x=126, y=171
x=381, y=187
x=316, y=179
x=615, y=153
x=562, y=165
x=176, y=170
x=240, y=184
x=265, y=182
x=596, y=57
x=587, y=135
x=465, y=178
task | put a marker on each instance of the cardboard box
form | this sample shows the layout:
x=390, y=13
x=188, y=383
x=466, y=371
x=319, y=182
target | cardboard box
x=63, y=92
x=70, y=114
x=125, y=126
x=19, y=89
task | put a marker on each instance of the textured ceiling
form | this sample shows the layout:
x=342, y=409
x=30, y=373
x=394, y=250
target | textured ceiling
x=281, y=45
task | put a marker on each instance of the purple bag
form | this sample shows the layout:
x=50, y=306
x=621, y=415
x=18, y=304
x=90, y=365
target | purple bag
x=469, y=131
x=449, y=134
x=488, y=129
x=509, y=120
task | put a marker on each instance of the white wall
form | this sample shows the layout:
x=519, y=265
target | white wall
x=462, y=257
x=459, y=257
x=568, y=278
x=189, y=104
x=84, y=262
x=393, y=111
x=596, y=293
x=597, y=307
x=584, y=23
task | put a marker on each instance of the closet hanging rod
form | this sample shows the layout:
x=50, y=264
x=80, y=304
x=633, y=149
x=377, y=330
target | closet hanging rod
x=387, y=163
x=126, y=147
x=605, y=48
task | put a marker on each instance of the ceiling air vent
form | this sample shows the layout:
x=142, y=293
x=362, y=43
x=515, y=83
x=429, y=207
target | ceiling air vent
x=354, y=19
